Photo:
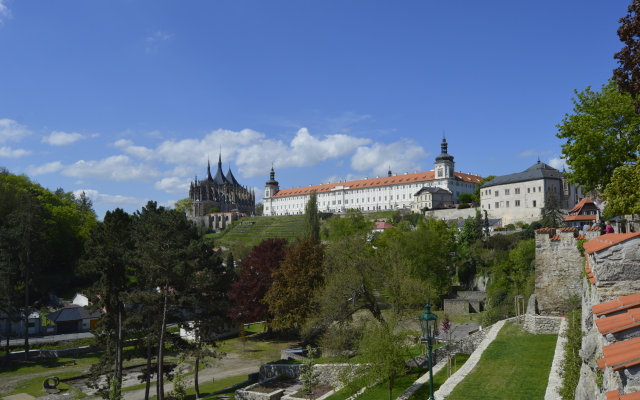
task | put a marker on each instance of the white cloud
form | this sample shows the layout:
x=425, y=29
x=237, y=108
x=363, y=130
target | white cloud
x=111, y=200
x=402, y=156
x=137, y=151
x=118, y=168
x=45, y=169
x=8, y=152
x=5, y=13
x=62, y=138
x=173, y=185
x=558, y=163
x=154, y=40
x=11, y=130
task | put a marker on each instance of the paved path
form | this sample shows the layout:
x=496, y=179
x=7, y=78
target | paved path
x=553, y=387
x=33, y=339
x=447, y=387
x=204, y=376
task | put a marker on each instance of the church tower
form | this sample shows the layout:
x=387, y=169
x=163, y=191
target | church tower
x=271, y=187
x=444, y=165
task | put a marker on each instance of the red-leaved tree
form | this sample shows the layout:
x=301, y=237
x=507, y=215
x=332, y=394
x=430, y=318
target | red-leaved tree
x=255, y=280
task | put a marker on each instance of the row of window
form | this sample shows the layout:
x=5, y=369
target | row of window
x=505, y=204
x=507, y=192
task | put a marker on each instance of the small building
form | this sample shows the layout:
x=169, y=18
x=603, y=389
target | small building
x=17, y=325
x=218, y=220
x=74, y=318
x=584, y=213
x=466, y=302
x=432, y=198
x=230, y=329
x=380, y=226
x=80, y=299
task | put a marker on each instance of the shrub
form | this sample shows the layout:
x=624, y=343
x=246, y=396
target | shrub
x=511, y=227
x=570, y=366
x=463, y=205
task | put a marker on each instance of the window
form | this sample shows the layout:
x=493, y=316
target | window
x=33, y=324
x=346, y=202
x=528, y=190
x=534, y=190
x=496, y=193
x=539, y=189
x=502, y=204
x=507, y=204
x=517, y=190
x=517, y=203
x=507, y=191
x=339, y=201
x=497, y=205
x=534, y=203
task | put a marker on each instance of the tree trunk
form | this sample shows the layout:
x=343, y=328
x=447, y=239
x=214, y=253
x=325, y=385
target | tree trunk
x=8, y=326
x=163, y=327
x=147, y=387
x=118, y=368
x=195, y=378
x=26, y=308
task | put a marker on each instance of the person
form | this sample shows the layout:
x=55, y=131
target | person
x=603, y=227
x=584, y=228
x=608, y=228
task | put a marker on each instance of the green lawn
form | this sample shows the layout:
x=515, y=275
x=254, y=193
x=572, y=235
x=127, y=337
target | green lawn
x=439, y=378
x=516, y=365
x=225, y=387
x=381, y=391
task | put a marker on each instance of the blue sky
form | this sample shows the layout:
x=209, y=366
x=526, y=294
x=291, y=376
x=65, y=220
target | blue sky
x=126, y=99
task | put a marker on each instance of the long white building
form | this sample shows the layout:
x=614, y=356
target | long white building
x=380, y=193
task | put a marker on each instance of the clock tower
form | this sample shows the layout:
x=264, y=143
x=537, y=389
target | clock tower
x=444, y=165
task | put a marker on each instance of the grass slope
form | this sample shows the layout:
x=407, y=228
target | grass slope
x=439, y=378
x=253, y=230
x=516, y=365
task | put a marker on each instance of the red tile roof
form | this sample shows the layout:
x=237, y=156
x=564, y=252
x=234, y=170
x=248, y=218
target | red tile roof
x=581, y=237
x=620, y=322
x=375, y=182
x=556, y=237
x=544, y=230
x=581, y=204
x=567, y=229
x=604, y=241
x=621, y=355
x=580, y=218
x=594, y=228
x=620, y=304
x=382, y=225
x=615, y=395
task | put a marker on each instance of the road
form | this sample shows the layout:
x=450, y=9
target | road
x=47, y=339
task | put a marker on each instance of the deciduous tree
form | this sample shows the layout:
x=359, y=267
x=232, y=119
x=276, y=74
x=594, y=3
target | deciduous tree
x=627, y=75
x=312, y=218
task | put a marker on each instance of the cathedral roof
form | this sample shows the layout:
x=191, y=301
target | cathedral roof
x=219, y=178
x=231, y=179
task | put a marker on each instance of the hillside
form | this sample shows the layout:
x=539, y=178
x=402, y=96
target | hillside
x=252, y=230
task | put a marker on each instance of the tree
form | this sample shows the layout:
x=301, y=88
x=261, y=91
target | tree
x=353, y=223
x=601, y=135
x=623, y=192
x=383, y=349
x=110, y=255
x=312, y=218
x=168, y=248
x=552, y=216
x=465, y=198
x=476, y=192
x=259, y=209
x=627, y=75
x=183, y=205
x=295, y=281
x=308, y=375
x=255, y=280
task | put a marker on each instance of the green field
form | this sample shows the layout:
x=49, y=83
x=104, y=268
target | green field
x=252, y=230
x=516, y=365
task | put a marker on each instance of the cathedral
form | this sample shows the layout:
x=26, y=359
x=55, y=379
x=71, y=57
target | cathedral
x=220, y=193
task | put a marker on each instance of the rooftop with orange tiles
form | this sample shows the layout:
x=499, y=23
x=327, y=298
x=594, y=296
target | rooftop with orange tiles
x=620, y=304
x=621, y=355
x=604, y=241
x=375, y=182
x=615, y=395
x=620, y=322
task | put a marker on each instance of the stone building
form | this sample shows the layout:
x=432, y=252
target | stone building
x=389, y=192
x=432, y=198
x=220, y=192
x=521, y=196
x=584, y=213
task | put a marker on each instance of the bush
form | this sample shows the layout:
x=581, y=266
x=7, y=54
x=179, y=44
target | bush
x=511, y=227
x=463, y=205
x=570, y=366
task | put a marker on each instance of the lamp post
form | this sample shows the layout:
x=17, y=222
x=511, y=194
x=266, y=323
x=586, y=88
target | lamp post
x=428, y=322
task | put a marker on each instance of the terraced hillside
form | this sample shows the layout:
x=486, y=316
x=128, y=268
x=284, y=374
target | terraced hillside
x=253, y=230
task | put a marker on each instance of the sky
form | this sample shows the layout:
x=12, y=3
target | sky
x=127, y=100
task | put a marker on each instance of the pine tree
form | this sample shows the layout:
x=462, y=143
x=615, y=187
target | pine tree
x=312, y=218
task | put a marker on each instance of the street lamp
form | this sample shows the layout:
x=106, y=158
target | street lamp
x=428, y=322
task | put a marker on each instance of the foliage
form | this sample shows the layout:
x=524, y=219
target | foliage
x=353, y=223
x=183, y=205
x=295, y=281
x=214, y=210
x=308, y=375
x=552, y=216
x=580, y=245
x=623, y=192
x=259, y=209
x=511, y=227
x=179, y=385
x=465, y=198
x=463, y=206
x=255, y=280
x=476, y=192
x=571, y=362
x=601, y=135
x=383, y=350
x=627, y=75
x=312, y=218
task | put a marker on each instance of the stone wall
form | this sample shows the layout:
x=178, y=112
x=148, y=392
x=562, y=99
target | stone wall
x=247, y=394
x=617, y=269
x=539, y=324
x=456, y=306
x=559, y=265
x=452, y=214
x=328, y=373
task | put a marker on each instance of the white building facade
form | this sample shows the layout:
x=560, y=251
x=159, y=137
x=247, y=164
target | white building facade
x=522, y=196
x=391, y=192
